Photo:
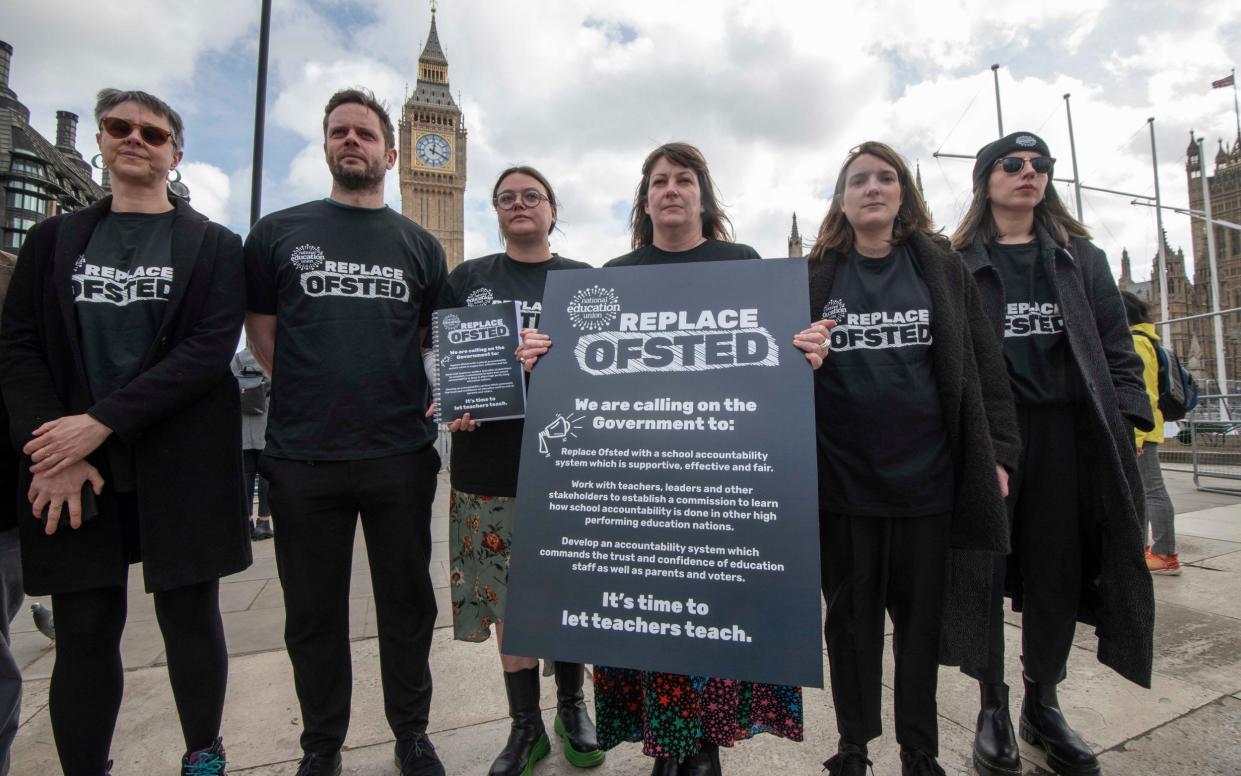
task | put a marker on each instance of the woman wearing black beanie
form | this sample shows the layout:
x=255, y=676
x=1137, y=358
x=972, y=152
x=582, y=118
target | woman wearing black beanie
x=1075, y=502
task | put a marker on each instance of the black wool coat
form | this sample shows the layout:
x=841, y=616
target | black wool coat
x=180, y=414
x=981, y=422
x=1117, y=596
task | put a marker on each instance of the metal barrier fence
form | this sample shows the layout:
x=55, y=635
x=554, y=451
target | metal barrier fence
x=1208, y=444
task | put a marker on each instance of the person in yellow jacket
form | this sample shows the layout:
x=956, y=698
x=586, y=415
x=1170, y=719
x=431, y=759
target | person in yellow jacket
x=1161, y=557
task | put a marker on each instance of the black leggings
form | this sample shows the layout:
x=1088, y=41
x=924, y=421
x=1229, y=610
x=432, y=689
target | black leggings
x=87, y=678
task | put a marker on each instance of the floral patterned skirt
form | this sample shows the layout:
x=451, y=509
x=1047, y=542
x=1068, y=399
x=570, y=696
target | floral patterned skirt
x=671, y=713
x=480, y=530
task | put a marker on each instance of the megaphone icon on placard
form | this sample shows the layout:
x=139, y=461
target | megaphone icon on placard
x=561, y=428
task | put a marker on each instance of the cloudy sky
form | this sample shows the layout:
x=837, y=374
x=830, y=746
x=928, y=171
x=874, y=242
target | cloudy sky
x=774, y=93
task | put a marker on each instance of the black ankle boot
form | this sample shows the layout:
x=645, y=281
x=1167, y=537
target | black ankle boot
x=573, y=725
x=1044, y=726
x=527, y=741
x=665, y=766
x=706, y=762
x=995, y=743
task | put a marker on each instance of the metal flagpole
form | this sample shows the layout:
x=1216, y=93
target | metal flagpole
x=1217, y=320
x=260, y=115
x=999, y=113
x=1163, y=259
x=1077, y=181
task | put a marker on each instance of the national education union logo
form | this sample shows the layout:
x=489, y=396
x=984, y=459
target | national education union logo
x=594, y=308
x=479, y=297
x=834, y=310
x=451, y=322
x=306, y=257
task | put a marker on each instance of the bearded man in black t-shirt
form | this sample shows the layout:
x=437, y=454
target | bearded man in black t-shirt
x=339, y=293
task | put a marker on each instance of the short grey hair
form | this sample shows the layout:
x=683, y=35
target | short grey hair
x=107, y=99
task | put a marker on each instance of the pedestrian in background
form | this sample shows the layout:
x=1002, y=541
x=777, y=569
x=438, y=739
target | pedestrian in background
x=255, y=389
x=1161, y=555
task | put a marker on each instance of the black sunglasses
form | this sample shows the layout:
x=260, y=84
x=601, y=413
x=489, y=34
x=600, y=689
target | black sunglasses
x=121, y=129
x=1014, y=164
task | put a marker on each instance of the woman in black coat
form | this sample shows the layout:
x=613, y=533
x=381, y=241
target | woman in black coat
x=116, y=340
x=916, y=436
x=1076, y=502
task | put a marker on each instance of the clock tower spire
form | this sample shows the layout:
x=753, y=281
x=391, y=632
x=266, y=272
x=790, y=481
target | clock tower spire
x=433, y=152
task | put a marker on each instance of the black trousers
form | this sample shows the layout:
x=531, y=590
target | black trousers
x=250, y=470
x=316, y=505
x=872, y=565
x=1044, y=512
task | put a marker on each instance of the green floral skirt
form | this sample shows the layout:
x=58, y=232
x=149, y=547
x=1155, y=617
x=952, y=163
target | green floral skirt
x=480, y=531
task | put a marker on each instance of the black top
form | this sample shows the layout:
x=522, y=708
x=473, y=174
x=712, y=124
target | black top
x=1035, y=346
x=351, y=288
x=711, y=250
x=484, y=461
x=883, y=446
x=121, y=286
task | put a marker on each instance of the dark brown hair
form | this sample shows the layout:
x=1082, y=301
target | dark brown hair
x=714, y=223
x=836, y=233
x=524, y=169
x=1050, y=213
x=366, y=98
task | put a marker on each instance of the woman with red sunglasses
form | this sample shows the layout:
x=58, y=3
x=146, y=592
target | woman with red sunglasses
x=119, y=327
x=1075, y=502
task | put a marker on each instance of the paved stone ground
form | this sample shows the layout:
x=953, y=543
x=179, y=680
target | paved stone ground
x=1189, y=722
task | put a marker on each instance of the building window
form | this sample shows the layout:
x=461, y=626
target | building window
x=28, y=166
x=18, y=200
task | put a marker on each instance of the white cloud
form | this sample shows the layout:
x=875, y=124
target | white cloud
x=210, y=189
x=774, y=94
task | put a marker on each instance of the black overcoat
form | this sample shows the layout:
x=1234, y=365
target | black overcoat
x=981, y=422
x=1117, y=596
x=180, y=414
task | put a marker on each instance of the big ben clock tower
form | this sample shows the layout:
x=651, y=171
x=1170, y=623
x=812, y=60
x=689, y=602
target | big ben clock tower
x=432, y=157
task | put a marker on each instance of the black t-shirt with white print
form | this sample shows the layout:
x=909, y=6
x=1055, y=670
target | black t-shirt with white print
x=710, y=250
x=350, y=288
x=1036, y=348
x=484, y=461
x=883, y=447
x=121, y=286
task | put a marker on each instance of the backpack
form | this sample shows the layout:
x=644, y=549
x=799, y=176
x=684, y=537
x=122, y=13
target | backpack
x=253, y=393
x=1178, y=391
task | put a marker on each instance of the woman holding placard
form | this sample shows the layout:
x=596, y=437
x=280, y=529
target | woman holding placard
x=484, y=481
x=682, y=720
x=916, y=435
x=1077, y=538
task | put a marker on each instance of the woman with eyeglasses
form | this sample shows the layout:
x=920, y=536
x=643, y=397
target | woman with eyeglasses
x=1075, y=503
x=916, y=436
x=118, y=331
x=484, y=461
x=683, y=720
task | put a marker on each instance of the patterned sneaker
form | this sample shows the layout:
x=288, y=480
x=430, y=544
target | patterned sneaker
x=205, y=762
x=1164, y=565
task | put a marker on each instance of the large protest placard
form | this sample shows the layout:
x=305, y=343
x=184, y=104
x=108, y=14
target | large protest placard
x=667, y=506
x=476, y=371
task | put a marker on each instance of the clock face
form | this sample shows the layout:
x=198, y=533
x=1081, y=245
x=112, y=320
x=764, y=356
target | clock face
x=433, y=150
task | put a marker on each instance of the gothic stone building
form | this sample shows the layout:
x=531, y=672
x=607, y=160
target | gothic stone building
x=37, y=178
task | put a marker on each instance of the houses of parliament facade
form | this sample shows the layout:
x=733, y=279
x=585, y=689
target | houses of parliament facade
x=1194, y=341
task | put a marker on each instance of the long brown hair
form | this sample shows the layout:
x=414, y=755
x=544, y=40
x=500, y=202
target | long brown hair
x=836, y=233
x=1050, y=213
x=714, y=223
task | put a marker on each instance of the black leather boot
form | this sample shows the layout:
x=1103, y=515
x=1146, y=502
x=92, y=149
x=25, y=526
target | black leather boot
x=527, y=741
x=573, y=725
x=665, y=766
x=705, y=762
x=995, y=743
x=1044, y=726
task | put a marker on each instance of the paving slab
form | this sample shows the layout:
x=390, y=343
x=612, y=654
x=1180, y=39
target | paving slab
x=1214, y=523
x=1193, y=549
x=1190, y=645
x=1205, y=742
x=1212, y=585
